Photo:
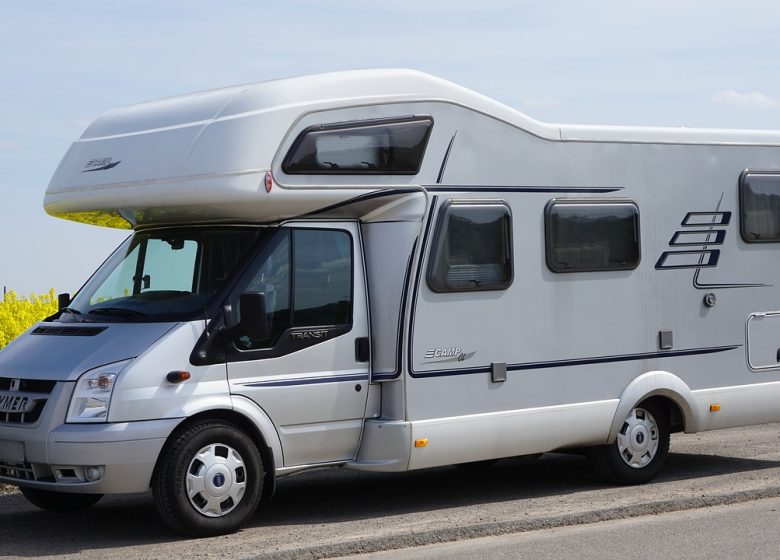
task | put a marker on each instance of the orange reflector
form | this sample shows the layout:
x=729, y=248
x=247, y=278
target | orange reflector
x=714, y=407
x=421, y=442
x=178, y=376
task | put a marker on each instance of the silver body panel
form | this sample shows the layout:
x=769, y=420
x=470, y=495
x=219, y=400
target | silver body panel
x=553, y=361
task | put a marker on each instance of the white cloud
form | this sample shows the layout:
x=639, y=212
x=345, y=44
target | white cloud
x=753, y=99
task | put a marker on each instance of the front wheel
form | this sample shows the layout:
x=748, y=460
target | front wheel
x=209, y=479
x=59, y=501
x=640, y=449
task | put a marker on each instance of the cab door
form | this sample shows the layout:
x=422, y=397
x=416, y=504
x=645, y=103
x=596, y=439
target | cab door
x=310, y=374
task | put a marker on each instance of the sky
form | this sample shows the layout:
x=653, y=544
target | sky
x=664, y=63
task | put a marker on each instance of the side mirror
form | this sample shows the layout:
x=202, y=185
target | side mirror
x=63, y=300
x=253, y=320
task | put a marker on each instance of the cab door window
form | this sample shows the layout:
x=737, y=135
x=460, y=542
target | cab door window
x=307, y=282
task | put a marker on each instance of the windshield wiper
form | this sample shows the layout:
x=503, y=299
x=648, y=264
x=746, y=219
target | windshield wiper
x=70, y=311
x=117, y=311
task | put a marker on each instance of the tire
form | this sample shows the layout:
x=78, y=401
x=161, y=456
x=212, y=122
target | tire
x=208, y=480
x=59, y=501
x=640, y=449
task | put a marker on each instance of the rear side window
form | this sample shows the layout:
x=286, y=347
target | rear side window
x=373, y=147
x=589, y=236
x=472, y=248
x=759, y=196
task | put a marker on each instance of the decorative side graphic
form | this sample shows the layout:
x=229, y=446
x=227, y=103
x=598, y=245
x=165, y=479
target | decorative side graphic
x=691, y=246
x=449, y=354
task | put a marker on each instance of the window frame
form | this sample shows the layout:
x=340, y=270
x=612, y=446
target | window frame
x=356, y=125
x=743, y=187
x=548, y=233
x=442, y=221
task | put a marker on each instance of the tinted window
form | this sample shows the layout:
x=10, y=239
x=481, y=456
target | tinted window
x=273, y=280
x=592, y=236
x=760, y=207
x=323, y=278
x=317, y=293
x=389, y=147
x=472, y=248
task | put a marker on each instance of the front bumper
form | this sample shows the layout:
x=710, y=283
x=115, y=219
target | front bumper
x=84, y=458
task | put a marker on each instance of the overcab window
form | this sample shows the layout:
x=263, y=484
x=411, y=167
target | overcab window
x=759, y=195
x=589, y=236
x=372, y=147
x=472, y=248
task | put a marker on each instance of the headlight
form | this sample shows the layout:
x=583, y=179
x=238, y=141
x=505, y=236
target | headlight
x=92, y=394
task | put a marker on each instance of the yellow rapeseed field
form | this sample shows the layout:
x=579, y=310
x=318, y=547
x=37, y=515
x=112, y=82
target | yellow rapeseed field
x=17, y=313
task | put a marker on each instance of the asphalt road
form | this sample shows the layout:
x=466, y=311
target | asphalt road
x=338, y=512
x=747, y=530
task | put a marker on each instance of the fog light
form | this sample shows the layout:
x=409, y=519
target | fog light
x=93, y=473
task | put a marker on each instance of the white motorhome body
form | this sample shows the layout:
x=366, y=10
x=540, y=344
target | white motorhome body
x=440, y=278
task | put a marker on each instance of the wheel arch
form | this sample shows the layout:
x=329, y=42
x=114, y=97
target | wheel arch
x=663, y=386
x=253, y=421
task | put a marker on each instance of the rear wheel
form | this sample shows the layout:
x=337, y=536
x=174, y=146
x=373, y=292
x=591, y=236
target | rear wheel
x=59, y=501
x=209, y=479
x=640, y=449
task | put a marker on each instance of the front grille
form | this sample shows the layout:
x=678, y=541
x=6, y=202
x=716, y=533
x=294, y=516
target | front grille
x=35, y=390
x=17, y=471
x=30, y=417
x=28, y=385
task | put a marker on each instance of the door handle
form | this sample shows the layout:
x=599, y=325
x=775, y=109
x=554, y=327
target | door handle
x=362, y=350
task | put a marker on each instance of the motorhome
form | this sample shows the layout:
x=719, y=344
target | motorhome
x=381, y=270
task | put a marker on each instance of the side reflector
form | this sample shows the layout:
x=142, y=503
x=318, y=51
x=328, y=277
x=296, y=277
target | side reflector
x=177, y=376
x=269, y=182
x=714, y=407
x=421, y=442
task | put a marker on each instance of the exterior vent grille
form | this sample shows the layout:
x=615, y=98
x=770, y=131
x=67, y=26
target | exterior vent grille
x=17, y=471
x=22, y=400
x=69, y=331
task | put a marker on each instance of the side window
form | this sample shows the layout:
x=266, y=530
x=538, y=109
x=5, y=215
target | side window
x=590, y=236
x=273, y=280
x=307, y=282
x=375, y=147
x=323, y=278
x=472, y=248
x=759, y=196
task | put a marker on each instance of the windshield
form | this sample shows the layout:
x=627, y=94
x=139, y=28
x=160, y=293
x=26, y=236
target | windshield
x=165, y=275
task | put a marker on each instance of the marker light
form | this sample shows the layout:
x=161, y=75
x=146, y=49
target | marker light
x=714, y=408
x=421, y=442
x=269, y=182
x=178, y=376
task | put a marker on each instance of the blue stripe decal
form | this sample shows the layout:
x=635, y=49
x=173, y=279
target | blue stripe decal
x=415, y=290
x=309, y=380
x=519, y=189
x=384, y=376
x=361, y=198
x=582, y=361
